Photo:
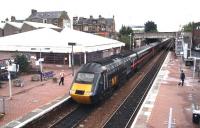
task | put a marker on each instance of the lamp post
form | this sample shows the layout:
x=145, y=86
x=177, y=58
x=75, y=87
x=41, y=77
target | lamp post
x=130, y=40
x=72, y=60
x=40, y=60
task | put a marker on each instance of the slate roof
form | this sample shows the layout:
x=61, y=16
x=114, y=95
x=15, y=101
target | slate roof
x=47, y=15
x=15, y=24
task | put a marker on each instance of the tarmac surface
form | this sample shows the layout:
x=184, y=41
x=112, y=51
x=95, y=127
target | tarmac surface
x=166, y=94
x=33, y=96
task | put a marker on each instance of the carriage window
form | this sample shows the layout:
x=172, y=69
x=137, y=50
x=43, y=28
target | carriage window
x=85, y=77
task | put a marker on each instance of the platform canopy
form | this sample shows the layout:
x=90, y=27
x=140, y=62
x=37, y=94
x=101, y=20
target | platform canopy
x=48, y=40
x=89, y=42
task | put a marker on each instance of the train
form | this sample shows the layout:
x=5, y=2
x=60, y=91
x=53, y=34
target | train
x=96, y=81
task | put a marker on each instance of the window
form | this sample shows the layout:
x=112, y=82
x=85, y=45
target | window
x=47, y=48
x=33, y=48
x=85, y=28
x=85, y=77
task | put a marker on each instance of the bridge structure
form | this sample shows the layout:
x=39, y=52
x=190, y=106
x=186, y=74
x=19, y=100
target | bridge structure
x=151, y=35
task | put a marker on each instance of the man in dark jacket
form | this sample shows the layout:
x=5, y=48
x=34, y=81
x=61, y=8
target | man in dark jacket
x=182, y=77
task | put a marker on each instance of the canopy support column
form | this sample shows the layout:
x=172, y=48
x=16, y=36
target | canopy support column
x=195, y=61
x=70, y=60
x=85, y=58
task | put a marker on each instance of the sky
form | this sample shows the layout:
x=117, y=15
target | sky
x=169, y=15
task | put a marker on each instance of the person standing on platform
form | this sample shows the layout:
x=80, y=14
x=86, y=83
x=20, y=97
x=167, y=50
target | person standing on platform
x=62, y=75
x=182, y=77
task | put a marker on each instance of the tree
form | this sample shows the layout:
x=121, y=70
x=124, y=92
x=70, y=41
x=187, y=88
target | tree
x=188, y=27
x=150, y=26
x=22, y=60
x=124, y=35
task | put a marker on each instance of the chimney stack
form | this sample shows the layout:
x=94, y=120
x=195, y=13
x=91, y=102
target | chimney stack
x=33, y=12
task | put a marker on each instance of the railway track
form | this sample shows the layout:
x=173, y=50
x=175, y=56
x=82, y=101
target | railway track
x=70, y=114
x=72, y=119
x=125, y=114
x=51, y=118
x=127, y=111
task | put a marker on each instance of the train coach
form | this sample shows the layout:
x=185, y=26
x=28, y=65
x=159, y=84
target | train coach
x=97, y=80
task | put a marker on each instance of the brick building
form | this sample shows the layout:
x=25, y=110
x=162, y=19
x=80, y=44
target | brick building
x=58, y=18
x=99, y=26
x=196, y=36
x=11, y=28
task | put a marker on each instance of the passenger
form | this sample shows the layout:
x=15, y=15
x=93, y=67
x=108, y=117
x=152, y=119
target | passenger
x=182, y=77
x=62, y=75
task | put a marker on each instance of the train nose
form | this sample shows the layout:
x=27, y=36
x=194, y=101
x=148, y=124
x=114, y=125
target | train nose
x=81, y=93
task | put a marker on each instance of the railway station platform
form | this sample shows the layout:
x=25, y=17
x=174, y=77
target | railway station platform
x=166, y=95
x=34, y=98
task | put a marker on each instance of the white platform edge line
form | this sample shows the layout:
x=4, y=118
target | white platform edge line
x=41, y=113
x=149, y=93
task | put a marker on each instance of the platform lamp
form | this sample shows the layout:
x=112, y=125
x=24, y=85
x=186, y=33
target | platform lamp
x=72, y=60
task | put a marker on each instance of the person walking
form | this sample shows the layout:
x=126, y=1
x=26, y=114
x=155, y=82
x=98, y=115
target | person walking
x=62, y=75
x=182, y=77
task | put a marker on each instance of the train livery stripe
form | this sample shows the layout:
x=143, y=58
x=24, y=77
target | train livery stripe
x=144, y=56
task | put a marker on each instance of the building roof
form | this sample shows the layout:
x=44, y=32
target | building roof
x=32, y=41
x=52, y=41
x=41, y=25
x=82, y=20
x=2, y=25
x=15, y=24
x=47, y=15
x=90, y=42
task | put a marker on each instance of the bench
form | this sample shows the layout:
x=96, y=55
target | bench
x=47, y=75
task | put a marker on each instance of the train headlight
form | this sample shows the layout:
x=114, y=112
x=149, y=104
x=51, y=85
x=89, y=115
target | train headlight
x=88, y=93
x=72, y=91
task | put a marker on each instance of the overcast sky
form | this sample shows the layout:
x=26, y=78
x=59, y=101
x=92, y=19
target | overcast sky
x=167, y=14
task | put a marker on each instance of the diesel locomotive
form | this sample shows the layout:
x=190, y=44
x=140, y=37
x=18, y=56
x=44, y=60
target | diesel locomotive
x=96, y=80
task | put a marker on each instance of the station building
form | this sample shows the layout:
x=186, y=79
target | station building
x=187, y=47
x=54, y=46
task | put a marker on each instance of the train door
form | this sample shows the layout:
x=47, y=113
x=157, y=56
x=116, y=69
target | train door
x=105, y=77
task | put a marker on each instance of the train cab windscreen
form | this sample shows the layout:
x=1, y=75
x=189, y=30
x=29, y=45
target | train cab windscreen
x=85, y=78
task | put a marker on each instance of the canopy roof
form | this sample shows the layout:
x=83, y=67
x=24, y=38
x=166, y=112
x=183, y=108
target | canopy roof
x=48, y=40
x=41, y=25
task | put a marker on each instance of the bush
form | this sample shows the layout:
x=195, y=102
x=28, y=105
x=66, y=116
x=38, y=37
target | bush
x=22, y=60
